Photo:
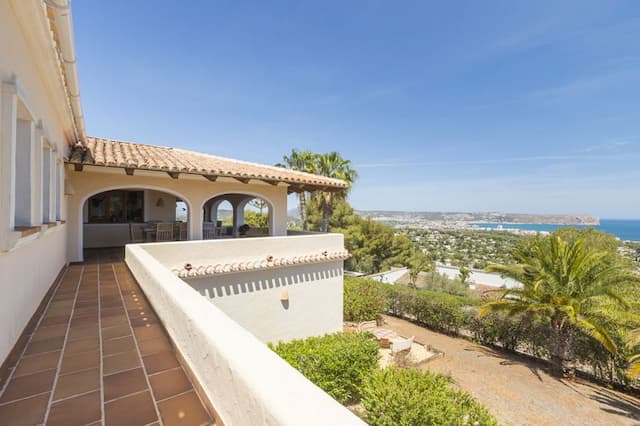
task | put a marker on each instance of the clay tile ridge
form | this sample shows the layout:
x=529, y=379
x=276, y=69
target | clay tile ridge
x=123, y=154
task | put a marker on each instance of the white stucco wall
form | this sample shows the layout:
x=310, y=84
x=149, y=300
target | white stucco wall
x=313, y=308
x=166, y=212
x=247, y=383
x=192, y=189
x=26, y=273
x=253, y=299
x=28, y=270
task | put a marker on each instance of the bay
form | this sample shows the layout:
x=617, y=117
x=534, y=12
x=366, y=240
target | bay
x=625, y=229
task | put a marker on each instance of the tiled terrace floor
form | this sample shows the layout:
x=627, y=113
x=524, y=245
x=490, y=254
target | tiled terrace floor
x=99, y=355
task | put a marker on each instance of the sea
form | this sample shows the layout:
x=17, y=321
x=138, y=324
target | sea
x=625, y=229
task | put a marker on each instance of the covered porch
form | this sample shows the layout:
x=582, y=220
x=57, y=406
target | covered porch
x=120, y=192
x=237, y=215
x=133, y=215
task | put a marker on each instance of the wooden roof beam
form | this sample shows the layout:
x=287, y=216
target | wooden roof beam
x=129, y=171
x=77, y=167
x=174, y=175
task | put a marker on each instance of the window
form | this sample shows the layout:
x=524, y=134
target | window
x=59, y=182
x=46, y=185
x=117, y=207
x=24, y=152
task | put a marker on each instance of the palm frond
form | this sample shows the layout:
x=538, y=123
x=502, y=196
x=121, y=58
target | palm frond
x=599, y=333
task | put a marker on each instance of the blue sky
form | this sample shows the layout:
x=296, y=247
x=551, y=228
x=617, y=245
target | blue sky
x=458, y=106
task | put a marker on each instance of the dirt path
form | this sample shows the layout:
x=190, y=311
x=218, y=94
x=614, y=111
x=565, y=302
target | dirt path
x=518, y=391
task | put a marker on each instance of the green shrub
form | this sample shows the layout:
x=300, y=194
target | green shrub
x=337, y=363
x=364, y=299
x=409, y=397
x=439, y=311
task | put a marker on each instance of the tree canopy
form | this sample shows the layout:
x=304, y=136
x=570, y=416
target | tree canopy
x=574, y=280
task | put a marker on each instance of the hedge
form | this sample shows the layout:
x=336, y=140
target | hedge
x=393, y=396
x=457, y=315
x=364, y=300
x=337, y=363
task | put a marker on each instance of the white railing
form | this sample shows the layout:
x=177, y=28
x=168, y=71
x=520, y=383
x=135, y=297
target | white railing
x=243, y=379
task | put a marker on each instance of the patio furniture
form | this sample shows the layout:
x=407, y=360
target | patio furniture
x=136, y=234
x=209, y=231
x=367, y=326
x=383, y=333
x=401, y=344
x=164, y=232
x=180, y=231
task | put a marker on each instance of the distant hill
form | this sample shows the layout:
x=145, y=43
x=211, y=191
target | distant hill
x=488, y=217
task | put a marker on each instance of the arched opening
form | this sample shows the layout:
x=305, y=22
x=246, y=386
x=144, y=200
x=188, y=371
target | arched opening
x=120, y=216
x=237, y=216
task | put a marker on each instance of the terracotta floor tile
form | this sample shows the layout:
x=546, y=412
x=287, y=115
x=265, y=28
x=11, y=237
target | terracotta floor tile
x=115, y=320
x=160, y=361
x=82, y=345
x=55, y=320
x=84, y=318
x=25, y=412
x=99, y=310
x=153, y=331
x=33, y=364
x=43, y=333
x=169, y=383
x=77, y=383
x=80, y=410
x=121, y=344
x=183, y=410
x=83, y=331
x=78, y=322
x=21, y=387
x=143, y=321
x=45, y=345
x=86, y=310
x=80, y=361
x=123, y=361
x=133, y=410
x=86, y=303
x=124, y=383
x=61, y=304
x=58, y=311
x=148, y=347
x=110, y=312
x=116, y=331
x=107, y=303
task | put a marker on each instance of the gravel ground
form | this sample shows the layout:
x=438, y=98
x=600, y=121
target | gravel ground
x=519, y=391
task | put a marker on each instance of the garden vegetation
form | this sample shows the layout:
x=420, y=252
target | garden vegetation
x=598, y=306
x=345, y=365
x=394, y=396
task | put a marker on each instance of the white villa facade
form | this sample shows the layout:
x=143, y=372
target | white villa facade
x=219, y=296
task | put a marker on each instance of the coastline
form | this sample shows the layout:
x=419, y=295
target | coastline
x=624, y=230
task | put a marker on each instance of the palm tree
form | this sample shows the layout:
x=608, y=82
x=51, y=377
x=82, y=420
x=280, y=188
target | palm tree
x=634, y=359
x=334, y=166
x=569, y=284
x=303, y=161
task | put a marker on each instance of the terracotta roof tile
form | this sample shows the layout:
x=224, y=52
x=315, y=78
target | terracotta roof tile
x=113, y=153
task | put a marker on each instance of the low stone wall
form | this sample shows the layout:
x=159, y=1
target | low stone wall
x=245, y=381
